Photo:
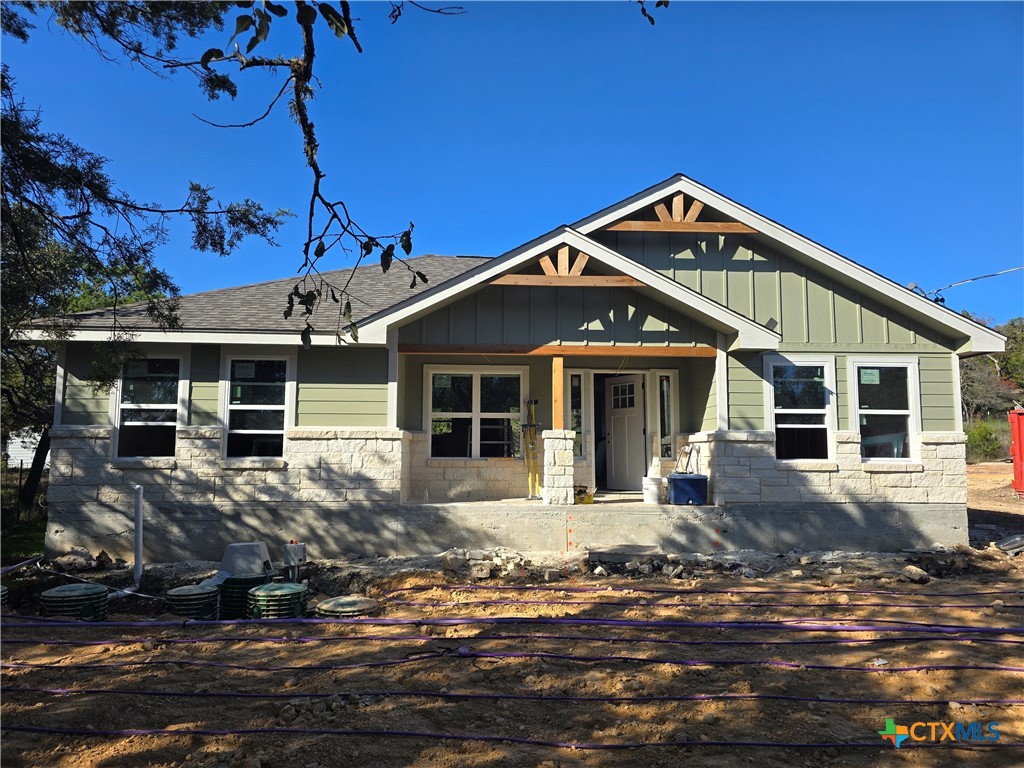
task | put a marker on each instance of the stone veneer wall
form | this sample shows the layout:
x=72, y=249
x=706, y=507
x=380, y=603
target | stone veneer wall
x=558, y=466
x=319, y=465
x=743, y=469
x=438, y=481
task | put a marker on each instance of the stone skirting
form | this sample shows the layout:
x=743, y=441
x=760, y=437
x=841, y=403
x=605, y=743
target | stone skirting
x=333, y=465
x=438, y=480
x=743, y=469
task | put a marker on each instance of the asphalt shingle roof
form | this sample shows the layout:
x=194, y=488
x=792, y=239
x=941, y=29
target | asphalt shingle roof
x=260, y=307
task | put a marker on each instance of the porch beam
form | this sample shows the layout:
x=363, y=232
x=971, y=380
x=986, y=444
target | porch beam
x=570, y=281
x=681, y=226
x=558, y=350
x=557, y=394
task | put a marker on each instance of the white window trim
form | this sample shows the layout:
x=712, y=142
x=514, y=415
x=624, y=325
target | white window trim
x=654, y=386
x=913, y=366
x=828, y=363
x=584, y=401
x=228, y=354
x=183, y=356
x=475, y=415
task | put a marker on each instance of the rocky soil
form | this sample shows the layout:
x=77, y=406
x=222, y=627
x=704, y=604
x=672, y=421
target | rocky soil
x=499, y=658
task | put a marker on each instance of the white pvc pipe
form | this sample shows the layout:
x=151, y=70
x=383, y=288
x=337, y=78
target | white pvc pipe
x=138, y=535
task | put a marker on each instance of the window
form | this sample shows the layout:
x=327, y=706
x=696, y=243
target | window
x=665, y=414
x=256, y=407
x=883, y=410
x=148, y=413
x=576, y=411
x=475, y=414
x=623, y=396
x=800, y=407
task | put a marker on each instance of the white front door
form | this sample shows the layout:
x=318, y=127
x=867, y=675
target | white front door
x=624, y=420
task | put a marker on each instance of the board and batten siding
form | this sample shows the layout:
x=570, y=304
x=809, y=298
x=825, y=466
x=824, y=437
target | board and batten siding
x=762, y=284
x=204, y=385
x=83, y=406
x=544, y=315
x=338, y=387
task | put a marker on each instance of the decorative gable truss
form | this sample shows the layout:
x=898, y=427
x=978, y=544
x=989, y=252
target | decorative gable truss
x=681, y=219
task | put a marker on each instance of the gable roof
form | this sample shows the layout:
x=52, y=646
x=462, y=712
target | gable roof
x=975, y=338
x=749, y=335
x=257, y=309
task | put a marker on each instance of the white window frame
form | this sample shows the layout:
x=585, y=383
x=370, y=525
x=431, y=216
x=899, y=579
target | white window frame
x=228, y=355
x=475, y=415
x=912, y=364
x=567, y=415
x=654, y=386
x=828, y=364
x=181, y=417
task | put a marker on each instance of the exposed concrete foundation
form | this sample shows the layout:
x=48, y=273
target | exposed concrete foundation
x=202, y=531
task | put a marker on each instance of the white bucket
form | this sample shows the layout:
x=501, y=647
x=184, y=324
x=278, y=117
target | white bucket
x=652, y=490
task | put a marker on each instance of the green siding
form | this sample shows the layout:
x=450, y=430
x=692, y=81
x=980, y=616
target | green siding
x=746, y=392
x=83, y=406
x=760, y=283
x=204, y=386
x=338, y=387
x=703, y=398
x=939, y=406
x=536, y=315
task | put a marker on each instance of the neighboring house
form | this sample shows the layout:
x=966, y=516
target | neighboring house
x=823, y=398
x=20, y=448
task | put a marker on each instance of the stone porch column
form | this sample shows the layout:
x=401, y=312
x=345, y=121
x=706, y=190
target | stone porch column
x=558, y=466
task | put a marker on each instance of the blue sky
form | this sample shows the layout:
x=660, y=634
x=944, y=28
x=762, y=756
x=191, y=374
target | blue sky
x=892, y=133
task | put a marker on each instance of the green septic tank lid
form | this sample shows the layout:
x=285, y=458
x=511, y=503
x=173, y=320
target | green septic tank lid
x=346, y=605
x=76, y=590
x=281, y=589
x=192, y=590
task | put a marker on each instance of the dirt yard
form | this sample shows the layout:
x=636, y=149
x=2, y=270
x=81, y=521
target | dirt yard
x=794, y=660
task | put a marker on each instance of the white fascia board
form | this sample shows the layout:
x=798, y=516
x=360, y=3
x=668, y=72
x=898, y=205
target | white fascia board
x=207, y=337
x=980, y=340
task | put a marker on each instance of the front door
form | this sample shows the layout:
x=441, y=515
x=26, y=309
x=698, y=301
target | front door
x=624, y=421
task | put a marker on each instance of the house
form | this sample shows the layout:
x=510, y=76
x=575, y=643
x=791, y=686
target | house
x=820, y=398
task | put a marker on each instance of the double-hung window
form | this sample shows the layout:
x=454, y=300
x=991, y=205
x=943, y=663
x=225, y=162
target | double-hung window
x=475, y=413
x=800, y=407
x=256, y=407
x=885, y=392
x=148, y=413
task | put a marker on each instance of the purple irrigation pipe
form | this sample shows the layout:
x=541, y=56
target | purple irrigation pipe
x=621, y=604
x=180, y=732
x=570, y=588
x=31, y=561
x=465, y=652
x=430, y=638
x=792, y=625
x=224, y=665
x=504, y=696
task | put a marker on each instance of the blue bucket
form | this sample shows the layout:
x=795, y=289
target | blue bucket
x=687, y=489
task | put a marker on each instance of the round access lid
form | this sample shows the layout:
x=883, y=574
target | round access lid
x=76, y=591
x=346, y=605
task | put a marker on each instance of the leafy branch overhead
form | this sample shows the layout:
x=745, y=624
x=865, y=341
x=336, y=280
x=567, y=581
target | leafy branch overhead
x=149, y=33
x=329, y=223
